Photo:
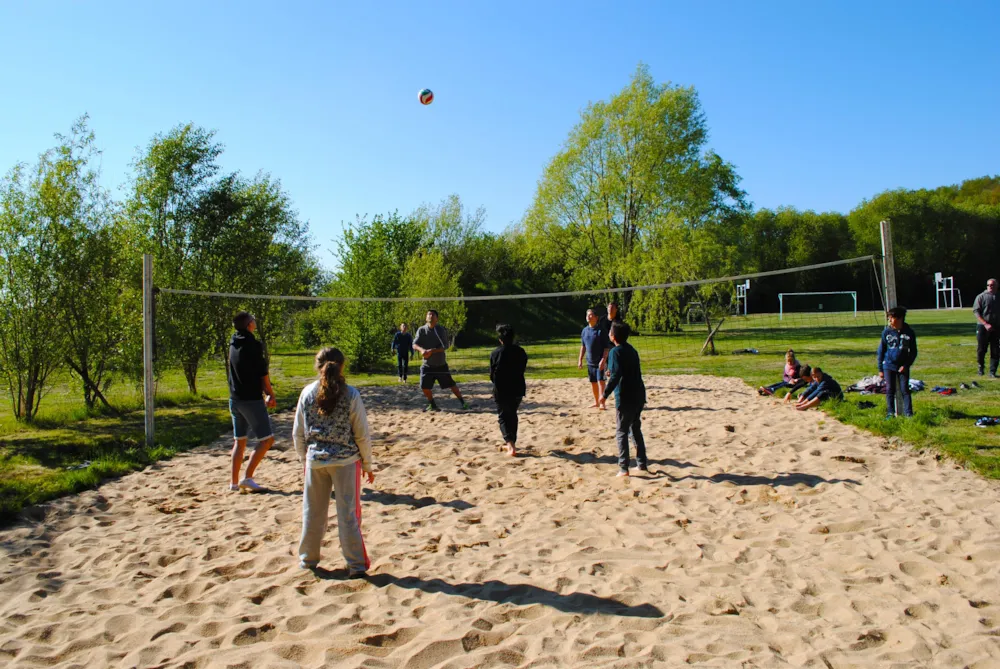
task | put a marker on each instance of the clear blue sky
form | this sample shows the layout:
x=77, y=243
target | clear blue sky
x=818, y=104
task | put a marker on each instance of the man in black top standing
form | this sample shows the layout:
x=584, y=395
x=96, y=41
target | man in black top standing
x=507, y=364
x=613, y=316
x=250, y=394
x=987, y=330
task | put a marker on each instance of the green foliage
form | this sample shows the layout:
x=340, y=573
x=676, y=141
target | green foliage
x=225, y=234
x=30, y=330
x=372, y=255
x=634, y=197
x=427, y=275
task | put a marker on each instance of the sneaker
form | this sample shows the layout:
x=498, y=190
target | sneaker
x=622, y=472
x=431, y=407
x=981, y=372
x=233, y=487
x=251, y=485
x=357, y=573
x=644, y=469
x=465, y=405
x=303, y=564
x=975, y=385
x=993, y=375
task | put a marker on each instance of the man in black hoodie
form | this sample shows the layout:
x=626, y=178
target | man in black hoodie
x=507, y=364
x=250, y=394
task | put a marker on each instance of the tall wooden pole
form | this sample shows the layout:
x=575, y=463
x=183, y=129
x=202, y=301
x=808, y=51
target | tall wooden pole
x=888, y=269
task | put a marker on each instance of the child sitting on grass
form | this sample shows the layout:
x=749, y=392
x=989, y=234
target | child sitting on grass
x=822, y=388
x=803, y=380
x=790, y=375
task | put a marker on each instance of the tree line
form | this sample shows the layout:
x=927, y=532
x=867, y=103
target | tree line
x=634, y=196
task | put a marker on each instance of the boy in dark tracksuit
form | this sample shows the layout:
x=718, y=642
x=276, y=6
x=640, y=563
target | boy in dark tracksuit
x=507, y=364
x=896, y=354
x=625, y=381
x=402, y=344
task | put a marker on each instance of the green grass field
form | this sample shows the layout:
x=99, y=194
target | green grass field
x=37, y=460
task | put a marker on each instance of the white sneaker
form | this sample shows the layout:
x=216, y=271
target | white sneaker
x=233, y=487
x=249, y=484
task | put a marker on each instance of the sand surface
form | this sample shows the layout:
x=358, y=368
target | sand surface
x=762, y=538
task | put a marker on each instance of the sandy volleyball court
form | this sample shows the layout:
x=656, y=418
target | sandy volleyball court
x=763, y=538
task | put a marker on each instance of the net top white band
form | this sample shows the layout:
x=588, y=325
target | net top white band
x=485, y=298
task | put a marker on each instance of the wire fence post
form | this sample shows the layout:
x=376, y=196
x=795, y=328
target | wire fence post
x=147, y=344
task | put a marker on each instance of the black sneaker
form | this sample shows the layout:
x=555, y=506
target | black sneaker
x=431, y=407
x=644, y=469
x=981, y=371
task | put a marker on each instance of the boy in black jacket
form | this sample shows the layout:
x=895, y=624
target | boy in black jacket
x=625, y=381
x=896, y=354
x=507, y=364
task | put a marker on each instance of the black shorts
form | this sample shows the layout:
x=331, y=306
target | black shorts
x=428, y=375
x=594, y=374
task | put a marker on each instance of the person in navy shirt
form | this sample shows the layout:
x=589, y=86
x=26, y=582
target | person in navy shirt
x=402, y=344
x=896, y=354
x=595, y=346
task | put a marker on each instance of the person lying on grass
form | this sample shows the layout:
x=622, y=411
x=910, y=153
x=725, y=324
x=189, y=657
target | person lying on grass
x=803, y=380
x=823, y=387
x=788, y=377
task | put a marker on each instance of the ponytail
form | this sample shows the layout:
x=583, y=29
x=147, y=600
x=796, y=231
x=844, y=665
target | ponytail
x=330, y=365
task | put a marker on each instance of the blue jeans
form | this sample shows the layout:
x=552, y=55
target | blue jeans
x=901, y=380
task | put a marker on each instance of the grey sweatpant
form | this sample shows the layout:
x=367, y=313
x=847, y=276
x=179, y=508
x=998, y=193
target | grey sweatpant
x=346, y=481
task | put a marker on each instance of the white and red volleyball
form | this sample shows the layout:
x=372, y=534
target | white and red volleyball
x=426, y=96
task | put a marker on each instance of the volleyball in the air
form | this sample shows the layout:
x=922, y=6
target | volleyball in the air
x=426, y=96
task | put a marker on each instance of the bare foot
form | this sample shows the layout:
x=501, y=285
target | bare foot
x=595, y=405
x=603, y=407
x=511, y=451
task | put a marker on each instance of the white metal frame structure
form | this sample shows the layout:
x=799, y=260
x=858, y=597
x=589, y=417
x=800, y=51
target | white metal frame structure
x=781, y=300
x=944, y=292
x=741, y=296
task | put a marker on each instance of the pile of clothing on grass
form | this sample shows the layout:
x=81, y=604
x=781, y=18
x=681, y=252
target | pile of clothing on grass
x=875, y=385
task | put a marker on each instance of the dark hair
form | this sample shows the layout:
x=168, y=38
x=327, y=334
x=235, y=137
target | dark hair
x=506, y=333
x=242, y=320
x=805, y=371
x=614, y=304
x=817, y=370
x=433, y=311
x=898, y=312
x=330, y=365
x=620, y=331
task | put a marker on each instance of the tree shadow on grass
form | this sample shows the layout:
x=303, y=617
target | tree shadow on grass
x=383, y=497
x=521, y=594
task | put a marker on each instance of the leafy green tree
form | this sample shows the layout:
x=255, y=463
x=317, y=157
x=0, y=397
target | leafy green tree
x=172, y=177
x=371, y=257
x=31, y=343
x=428, y=275
x=633, y=181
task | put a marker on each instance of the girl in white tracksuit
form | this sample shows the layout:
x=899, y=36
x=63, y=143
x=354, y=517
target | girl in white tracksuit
x=331, y=437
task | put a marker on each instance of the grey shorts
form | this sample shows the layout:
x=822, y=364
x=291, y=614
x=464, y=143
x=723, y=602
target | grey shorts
x=250, y=415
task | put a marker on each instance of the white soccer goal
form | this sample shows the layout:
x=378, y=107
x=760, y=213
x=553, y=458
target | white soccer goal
x=817, y=301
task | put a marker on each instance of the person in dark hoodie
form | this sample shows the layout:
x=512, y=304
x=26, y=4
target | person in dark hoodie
x=625, y=381
x=402, y=344
x=896, y=354
x=507, y=364
x=250, y=394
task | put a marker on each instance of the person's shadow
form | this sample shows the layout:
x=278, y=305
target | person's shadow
x=522, y=594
